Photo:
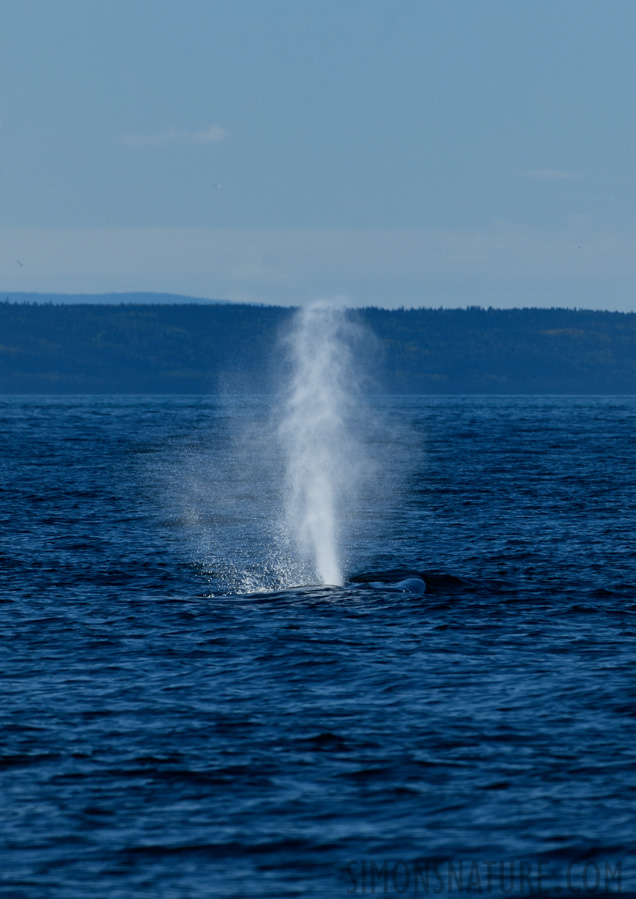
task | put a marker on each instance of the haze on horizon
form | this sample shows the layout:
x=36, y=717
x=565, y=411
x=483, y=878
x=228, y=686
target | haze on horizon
x=387, y=152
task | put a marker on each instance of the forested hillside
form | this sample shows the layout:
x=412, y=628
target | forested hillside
x=192, y=348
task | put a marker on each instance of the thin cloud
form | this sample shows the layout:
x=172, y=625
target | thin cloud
x=212, y=135
x=548, y=174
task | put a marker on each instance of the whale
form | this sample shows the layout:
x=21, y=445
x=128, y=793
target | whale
x=407, y=580
x=416, y=585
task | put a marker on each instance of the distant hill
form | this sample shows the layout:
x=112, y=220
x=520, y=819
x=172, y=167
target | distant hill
x=101, y=299
x=194, y=348
x=508, y=351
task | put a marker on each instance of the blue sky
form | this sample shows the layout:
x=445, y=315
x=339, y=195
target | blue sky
x=385, y=152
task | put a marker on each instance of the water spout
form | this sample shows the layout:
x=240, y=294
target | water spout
x=317, y=437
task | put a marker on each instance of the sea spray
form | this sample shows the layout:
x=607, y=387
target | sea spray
x=280, y=490
x=323, y=460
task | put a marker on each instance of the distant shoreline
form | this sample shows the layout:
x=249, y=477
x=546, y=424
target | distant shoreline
x=183, y=346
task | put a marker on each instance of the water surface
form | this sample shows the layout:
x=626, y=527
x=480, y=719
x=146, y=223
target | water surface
x=180, y=718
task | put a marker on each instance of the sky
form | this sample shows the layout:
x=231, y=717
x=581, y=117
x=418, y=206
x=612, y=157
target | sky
x=373, y=152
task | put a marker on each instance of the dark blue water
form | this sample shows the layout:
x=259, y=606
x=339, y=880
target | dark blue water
x=178, y=719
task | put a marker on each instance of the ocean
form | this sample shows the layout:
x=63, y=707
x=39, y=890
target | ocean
x=190, y=709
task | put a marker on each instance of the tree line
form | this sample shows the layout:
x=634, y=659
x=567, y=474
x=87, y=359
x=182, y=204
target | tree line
x=193, y=348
